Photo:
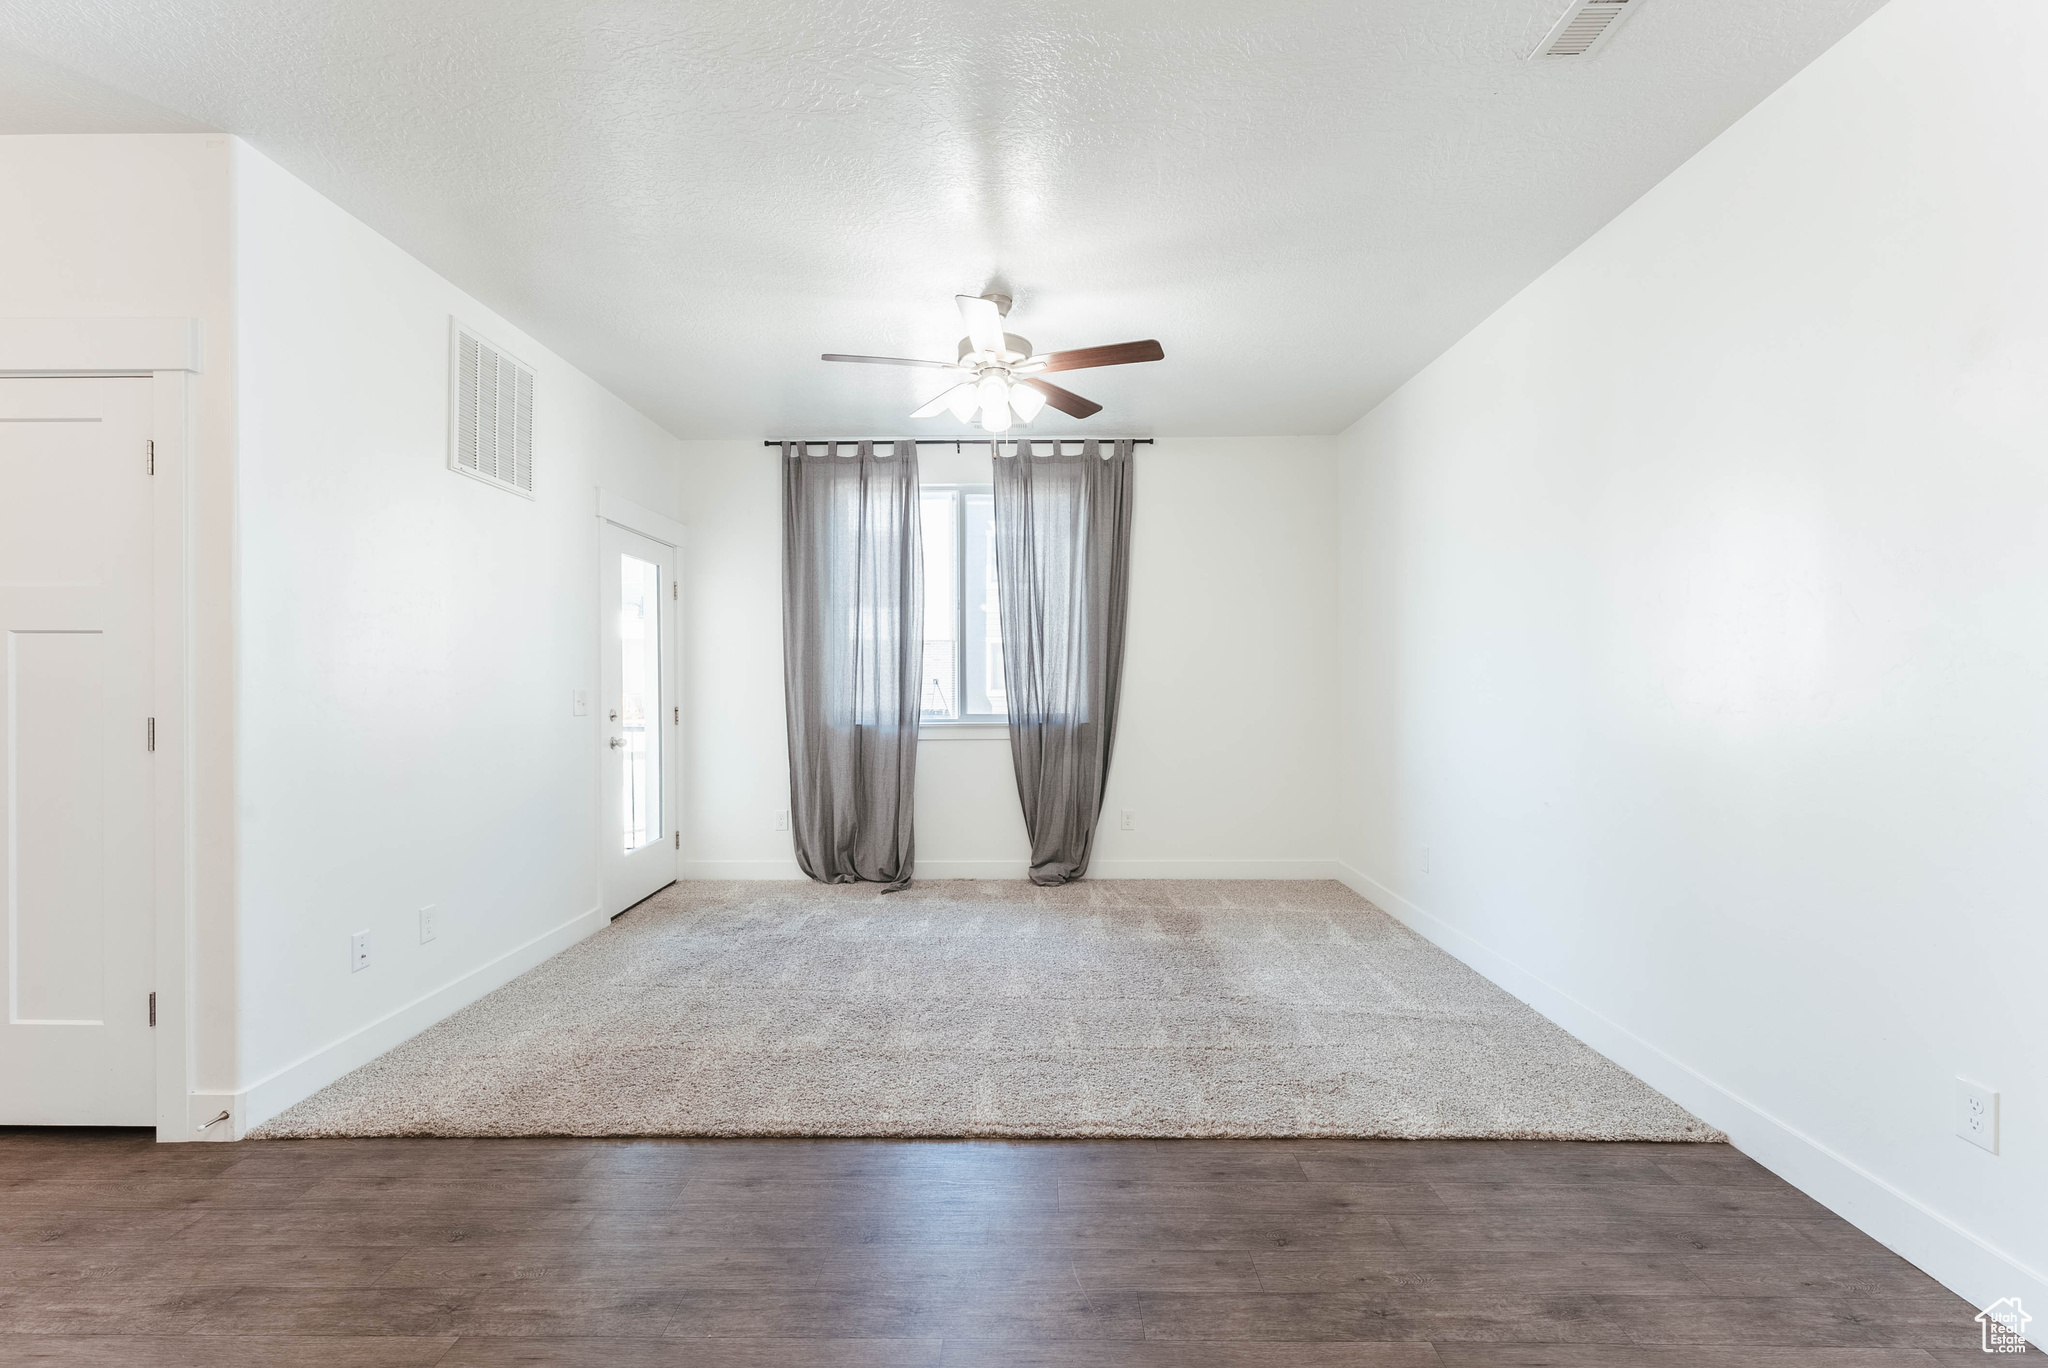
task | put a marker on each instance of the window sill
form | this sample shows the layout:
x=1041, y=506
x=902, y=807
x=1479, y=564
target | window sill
x=963, y=731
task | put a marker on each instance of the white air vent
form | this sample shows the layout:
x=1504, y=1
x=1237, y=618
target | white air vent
x=1585, y=27
x=490, y=429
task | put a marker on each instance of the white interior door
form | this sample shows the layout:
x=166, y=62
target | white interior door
x=75, y=736
x=637, y=715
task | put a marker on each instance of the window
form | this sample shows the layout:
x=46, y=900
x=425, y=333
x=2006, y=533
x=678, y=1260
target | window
x=963, y=627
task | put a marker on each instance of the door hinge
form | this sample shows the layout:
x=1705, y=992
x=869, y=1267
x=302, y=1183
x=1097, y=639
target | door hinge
x=152, y=733
x=673, y=591
x=152, y=1009
x=677, y=720
x=152, y=455
x=679, y=846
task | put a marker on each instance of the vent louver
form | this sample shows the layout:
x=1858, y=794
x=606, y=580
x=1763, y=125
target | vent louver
x=491, y=428
x=1585, y=27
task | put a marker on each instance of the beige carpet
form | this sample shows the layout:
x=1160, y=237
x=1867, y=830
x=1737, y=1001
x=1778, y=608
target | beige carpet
x=963, y=1008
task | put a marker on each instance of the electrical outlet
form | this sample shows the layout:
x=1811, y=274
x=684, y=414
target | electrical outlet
x=1425, y=859
x=579, y=702
x=429, y=923
x=1977, y=1114
x=1130, y=820
x=359, y=952
x=782, y=820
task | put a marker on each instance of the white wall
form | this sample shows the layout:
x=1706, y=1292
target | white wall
x=1224, y=747
x=1695, y=622
x=409, y=642
x=137, y=226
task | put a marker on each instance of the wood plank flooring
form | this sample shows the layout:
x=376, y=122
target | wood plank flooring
x=901, y=1254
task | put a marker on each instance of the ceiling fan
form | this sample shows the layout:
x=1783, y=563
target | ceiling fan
x=997, y=372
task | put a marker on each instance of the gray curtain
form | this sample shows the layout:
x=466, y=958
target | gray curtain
x=1063, y=553
x=852, y=651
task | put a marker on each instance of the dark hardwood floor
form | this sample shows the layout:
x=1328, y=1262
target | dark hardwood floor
x=1248, y=1254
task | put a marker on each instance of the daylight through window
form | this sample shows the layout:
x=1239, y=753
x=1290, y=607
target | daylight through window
x=963, y=630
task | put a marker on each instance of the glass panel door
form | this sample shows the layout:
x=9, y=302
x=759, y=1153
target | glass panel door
x=638, y=741
x=640, y=698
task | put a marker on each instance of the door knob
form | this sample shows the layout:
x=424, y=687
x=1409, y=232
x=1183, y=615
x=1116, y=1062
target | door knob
x=618, y=741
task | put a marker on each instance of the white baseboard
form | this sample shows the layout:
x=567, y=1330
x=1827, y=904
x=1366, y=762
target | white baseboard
x=295, y=1082
x=738, y=869
x=1017, y=869
x=1974, y=1269
x=1213, y=869
x=973, y=869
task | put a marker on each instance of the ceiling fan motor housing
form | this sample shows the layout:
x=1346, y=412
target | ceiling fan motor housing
x=1016, y=348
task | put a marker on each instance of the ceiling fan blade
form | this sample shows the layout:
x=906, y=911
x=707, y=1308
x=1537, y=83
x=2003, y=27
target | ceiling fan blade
x=943, y=402
x=1066, y=401
x=1115, y=354
x=889, y=361
x=984, y=322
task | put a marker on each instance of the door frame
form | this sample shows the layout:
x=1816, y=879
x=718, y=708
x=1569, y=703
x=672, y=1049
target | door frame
x=166, y=352
x=656, y=527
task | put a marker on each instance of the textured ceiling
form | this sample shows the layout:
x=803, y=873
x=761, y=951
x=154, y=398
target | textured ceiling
x=1305, y=201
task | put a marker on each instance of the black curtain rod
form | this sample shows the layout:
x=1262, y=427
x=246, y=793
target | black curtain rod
x=949, y=441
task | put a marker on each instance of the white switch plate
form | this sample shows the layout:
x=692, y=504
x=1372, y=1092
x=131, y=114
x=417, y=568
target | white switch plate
x=1130, y=820
x=429, y=923
x=1977, y=1114
x=580, y=701
x=782, y=820
x=1425, y=859
x=359, y=952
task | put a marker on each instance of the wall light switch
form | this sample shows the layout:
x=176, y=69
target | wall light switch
x=1425, y=859
x=359, y=952
x=1130, y=820
x=579, y=701
x=1977, y=1114
x=782, y=820
x=429, y=923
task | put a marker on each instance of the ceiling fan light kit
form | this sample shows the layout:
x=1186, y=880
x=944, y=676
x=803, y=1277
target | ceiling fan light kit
x=1027, y=402
x=996, y=373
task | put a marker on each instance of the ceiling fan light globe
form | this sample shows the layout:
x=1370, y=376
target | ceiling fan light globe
x=995, y=418
x=993, y=392
x=1027, y=402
